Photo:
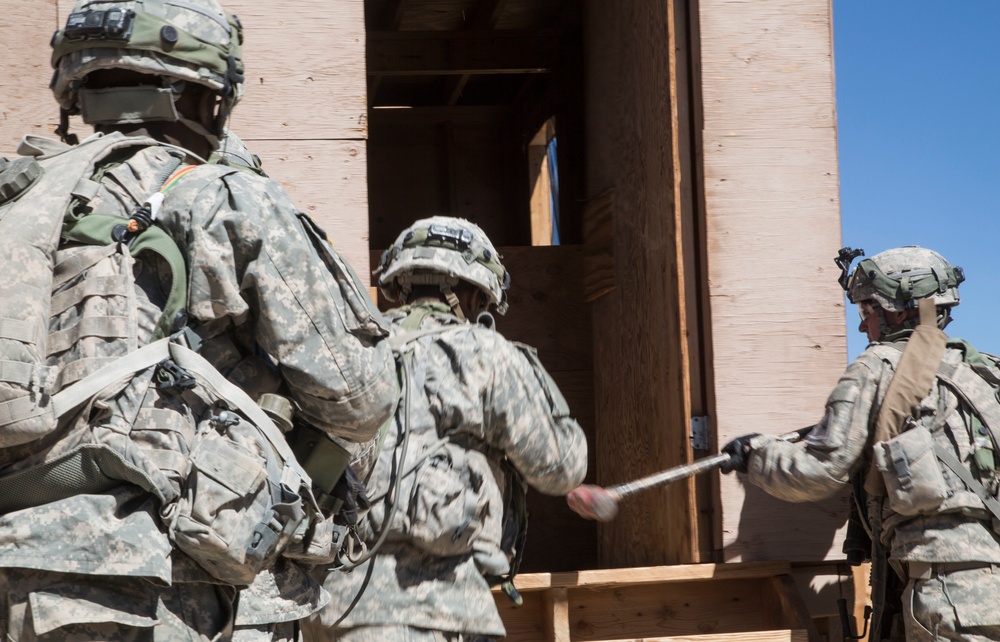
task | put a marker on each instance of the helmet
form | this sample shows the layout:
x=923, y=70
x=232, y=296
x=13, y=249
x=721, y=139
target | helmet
x=896, y=279
x=442, y=251
x=190, y=41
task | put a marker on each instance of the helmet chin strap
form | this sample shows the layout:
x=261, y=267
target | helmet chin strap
x=943, y=319
x=452, y=299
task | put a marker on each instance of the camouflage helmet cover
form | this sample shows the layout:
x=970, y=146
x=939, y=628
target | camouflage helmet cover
x=189, y=40
x=442, y=251
x=896, y=279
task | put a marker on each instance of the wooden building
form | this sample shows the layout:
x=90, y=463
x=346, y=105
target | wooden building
x=684, y=154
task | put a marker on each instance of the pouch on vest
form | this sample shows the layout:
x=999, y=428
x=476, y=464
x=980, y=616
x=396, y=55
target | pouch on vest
x=909, y=467
x=449, y=501
x=244, y=497
x=232, y=513
x=30, y=227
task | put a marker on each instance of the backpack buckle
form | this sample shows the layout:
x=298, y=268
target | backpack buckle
x=171, y=378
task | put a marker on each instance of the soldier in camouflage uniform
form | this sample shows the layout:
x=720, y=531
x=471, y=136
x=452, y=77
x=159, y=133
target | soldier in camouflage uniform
x=479, y=418
x=273, y=310
x=929, y=472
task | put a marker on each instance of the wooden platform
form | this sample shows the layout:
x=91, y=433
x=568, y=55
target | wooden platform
x=750, y=602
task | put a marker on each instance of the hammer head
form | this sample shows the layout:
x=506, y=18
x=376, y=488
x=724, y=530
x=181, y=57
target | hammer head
x=593, y=502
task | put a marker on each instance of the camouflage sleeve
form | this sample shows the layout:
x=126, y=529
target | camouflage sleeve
x=834, y=449
x=252, y=260
x=527, y=417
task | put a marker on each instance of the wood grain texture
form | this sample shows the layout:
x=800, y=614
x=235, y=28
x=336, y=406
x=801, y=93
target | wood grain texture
x=640, y=347
x=451, y=162
x=691, y=608
x=305, y=69
x=638, y=576
x=772, y=230
x=726, y=602
x=744, y=636
x=319, y=155
x=26, y=104
x=556, y=604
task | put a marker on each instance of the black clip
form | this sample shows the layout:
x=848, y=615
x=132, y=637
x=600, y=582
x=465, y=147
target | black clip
x=844, y=259
x=847, y=628
x=171, y=378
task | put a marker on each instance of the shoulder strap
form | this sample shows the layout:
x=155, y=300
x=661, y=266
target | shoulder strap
x=912, y=381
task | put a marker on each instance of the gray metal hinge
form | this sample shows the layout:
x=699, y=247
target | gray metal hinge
x=700, y=439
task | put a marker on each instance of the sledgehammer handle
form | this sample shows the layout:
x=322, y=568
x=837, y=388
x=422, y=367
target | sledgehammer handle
x=687, y=470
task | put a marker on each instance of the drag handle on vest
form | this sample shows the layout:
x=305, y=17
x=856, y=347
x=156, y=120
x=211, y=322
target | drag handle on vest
x=601, y=504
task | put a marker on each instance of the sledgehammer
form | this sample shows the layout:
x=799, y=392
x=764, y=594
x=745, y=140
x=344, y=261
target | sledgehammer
x=601, y=504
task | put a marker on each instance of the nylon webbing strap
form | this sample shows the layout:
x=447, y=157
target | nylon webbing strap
x=115, y=285
x=18, y=330
x=915, y=375
x=399, y=341
x=965, y=475
x=96, y=229
x=88, y=469
x=118, y=371
x=196, y=364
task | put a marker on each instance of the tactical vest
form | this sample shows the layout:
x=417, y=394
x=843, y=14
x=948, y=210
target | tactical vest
x=85, y=408
x=916, y=458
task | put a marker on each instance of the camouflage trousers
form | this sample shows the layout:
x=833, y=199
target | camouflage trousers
x=312, y=632
x=42, y=606
x=275, y=632
x=952, y=602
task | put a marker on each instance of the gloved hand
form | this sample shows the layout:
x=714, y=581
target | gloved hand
x=739, y=454
x=352, y=493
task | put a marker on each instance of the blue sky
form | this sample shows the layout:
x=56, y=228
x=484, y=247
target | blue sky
x=918, y=119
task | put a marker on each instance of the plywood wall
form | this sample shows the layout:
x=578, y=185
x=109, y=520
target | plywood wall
x=640, y=351
x=304, y=113
x=772, y=231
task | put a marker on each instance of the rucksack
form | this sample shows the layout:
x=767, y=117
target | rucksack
x=910, y=467
x=232, y=495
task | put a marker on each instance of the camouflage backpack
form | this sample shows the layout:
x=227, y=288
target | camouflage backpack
x=232, y=494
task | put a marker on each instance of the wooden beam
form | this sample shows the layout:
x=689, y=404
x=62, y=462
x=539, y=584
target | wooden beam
x=392, y=15
x=643, y=575
x=485, y=14
x=455, y=87
x=425, y=53
x=745, y=636
x=556, y=605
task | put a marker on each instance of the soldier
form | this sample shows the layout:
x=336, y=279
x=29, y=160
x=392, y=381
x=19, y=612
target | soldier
x=913, y=421
x=478, y=420
x=108, y=463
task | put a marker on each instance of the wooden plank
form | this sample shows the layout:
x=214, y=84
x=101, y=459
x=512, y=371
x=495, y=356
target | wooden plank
x=547, y=310
x=427, y=53
x=640, y=576
x=776, y=311
x=683, y=608
x=305, y=69
x=541, y=195
x=743, y=636
x=792, y=607
x=326, y=179
x=599, y=241
x=461, y=164
x=27, y=106
x=641, y=382
x=524, y=623
x=556, y=603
